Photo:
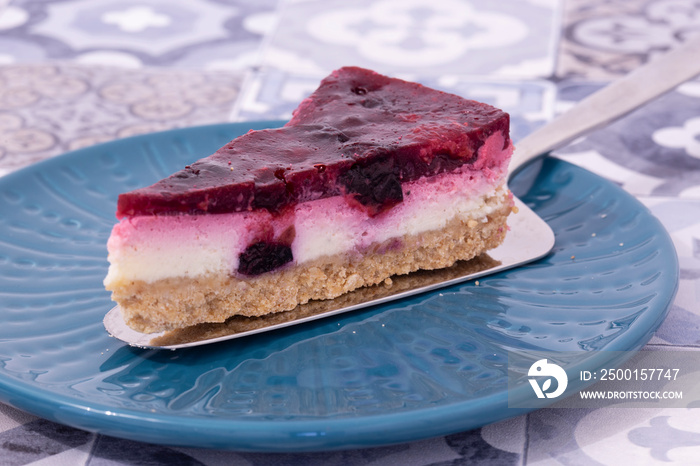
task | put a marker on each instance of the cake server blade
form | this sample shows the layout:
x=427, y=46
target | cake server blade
x=529, y=238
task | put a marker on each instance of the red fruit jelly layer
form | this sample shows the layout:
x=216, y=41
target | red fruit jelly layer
x=360, y=134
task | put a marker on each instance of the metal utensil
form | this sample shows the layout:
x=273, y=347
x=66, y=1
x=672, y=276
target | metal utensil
x=529, y=239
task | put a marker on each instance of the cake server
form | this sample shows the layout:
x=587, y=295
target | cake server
x=529, y=238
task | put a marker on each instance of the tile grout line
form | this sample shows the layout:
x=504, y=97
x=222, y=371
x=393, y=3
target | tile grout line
x=526, y=443
x=246, y=84
x=671, y=345
x=252, y=72
x=92, y=449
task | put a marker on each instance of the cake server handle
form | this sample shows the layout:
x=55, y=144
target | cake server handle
x=617, y=99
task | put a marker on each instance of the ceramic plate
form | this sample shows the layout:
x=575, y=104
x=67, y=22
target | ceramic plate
x=427, y=365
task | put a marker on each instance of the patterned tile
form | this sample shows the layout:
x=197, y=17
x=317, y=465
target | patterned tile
x=207, y=34
x=621, y=434
x=422, y=37
x=550, y=438
x=47, y=110
x=37, y=440
x=604, y=39
x=498, y=52
x=652, y=151
x=638, y=436
x=501, y=444
x=110, y=451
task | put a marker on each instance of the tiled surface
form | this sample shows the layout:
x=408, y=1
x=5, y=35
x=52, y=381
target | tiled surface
x=653, y=151
x=47, y=110
x=430, y=38
x=604, y=39
x=78, y=72
x=175, y=33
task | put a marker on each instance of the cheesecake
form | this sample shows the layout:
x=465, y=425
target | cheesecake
x=372, y=177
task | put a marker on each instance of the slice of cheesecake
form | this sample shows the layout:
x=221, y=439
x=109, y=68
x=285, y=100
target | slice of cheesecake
x=372, y=177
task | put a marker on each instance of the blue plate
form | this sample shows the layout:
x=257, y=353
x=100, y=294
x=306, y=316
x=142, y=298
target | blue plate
x=428, y=365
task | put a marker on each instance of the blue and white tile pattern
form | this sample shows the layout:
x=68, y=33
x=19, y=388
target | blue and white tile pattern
x=77, y=72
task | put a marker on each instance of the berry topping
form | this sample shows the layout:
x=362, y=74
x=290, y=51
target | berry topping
x=263, y=257
x=360, y=134
x=375, y=187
